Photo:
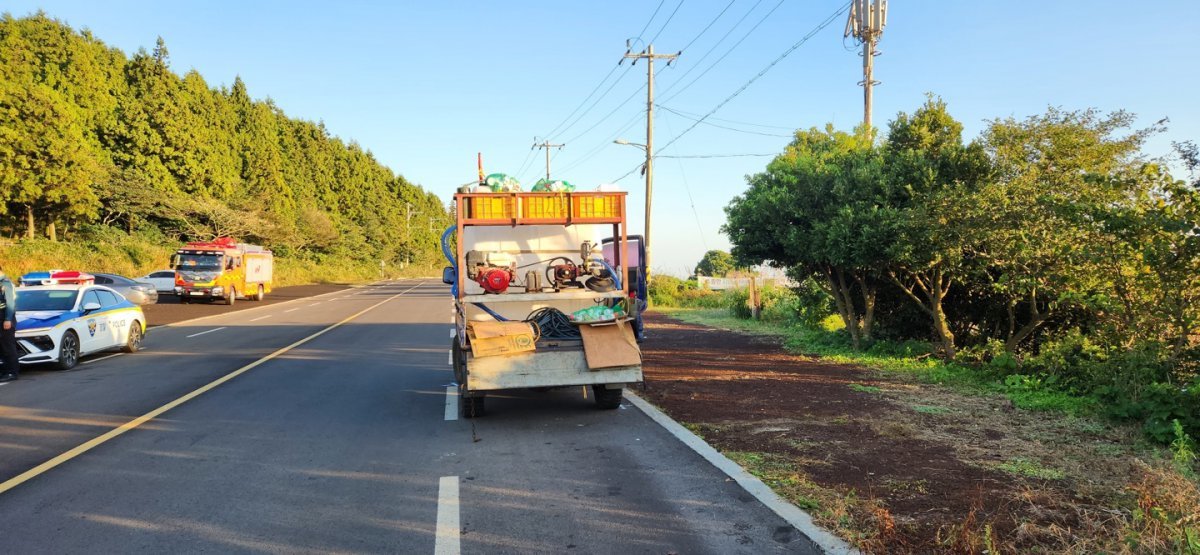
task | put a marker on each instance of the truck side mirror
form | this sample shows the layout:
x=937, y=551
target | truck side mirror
x=174, y=261
x=449, y=277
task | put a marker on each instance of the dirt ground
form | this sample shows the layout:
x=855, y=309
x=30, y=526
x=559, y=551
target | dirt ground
x=892, y=466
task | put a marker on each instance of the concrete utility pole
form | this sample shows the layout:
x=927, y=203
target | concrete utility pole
x=866, y=22
x=547, y=146
x=649, y=55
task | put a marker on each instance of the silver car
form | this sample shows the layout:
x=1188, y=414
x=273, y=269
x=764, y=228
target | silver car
x=137, y=292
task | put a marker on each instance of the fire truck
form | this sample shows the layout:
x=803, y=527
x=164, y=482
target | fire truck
x=222, y=269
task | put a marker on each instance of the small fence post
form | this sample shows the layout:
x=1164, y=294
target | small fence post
x=755, y=306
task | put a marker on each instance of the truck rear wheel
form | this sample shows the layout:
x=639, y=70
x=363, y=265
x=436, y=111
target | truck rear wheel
x=607, y=399
x=258, y=297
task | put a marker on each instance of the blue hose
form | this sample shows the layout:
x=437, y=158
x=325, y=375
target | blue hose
x=615, y=275
x=450, y=258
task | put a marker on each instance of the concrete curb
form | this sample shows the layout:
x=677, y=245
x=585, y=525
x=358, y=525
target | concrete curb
x=800, y=520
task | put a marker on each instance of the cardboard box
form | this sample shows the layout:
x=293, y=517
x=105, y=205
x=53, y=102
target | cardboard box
x=610, y=346
x=500, y=338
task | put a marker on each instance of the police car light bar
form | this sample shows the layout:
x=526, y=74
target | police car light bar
x=57, y=277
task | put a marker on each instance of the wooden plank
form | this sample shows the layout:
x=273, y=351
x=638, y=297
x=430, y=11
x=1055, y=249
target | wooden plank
x=542, y=369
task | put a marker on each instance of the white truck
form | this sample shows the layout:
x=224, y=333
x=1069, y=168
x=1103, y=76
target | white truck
x=523, y=262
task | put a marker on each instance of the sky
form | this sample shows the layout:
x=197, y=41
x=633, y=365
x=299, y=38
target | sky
x=426, y=86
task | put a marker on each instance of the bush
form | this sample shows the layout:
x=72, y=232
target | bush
x=779, y=304
x=670, y=291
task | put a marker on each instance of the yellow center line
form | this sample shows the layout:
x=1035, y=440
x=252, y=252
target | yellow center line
x=99, y=440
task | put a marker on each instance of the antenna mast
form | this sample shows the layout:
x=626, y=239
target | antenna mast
x=866, y=22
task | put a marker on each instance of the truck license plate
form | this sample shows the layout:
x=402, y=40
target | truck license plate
x=198, y=293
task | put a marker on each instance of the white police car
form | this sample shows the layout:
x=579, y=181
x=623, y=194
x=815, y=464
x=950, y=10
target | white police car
x=70, y=316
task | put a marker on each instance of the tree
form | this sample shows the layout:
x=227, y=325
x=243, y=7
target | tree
x=715, y=263
x=931, y=177
x=814, y=210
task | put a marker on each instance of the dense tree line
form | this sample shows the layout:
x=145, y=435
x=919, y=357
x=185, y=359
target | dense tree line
x=1050, y=246
x=91, y=137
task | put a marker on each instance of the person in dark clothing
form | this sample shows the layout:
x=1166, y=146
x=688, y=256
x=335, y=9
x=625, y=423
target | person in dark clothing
x=8, y=333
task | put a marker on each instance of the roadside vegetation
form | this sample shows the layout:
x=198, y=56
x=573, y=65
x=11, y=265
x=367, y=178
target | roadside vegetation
x=122, y=159
x=1050, y=263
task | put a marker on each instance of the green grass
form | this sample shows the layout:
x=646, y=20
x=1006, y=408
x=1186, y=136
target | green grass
x=1030, y=469
x=910, y=358
x=930, y=409
x=865, y=388
x=781, y=475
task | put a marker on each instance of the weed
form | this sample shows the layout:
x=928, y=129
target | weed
x=865, y=388
x=930, y=409
x=918, y=487
x=1167, y=516
x=1183, y=450
x=1029, y=468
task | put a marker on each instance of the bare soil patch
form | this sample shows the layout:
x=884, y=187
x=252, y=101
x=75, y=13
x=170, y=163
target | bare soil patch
x=892, y=465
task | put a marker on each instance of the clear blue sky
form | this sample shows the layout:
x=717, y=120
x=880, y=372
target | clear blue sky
x=426, y=85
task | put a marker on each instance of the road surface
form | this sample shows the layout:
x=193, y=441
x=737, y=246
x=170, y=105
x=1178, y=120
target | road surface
x=344, y=443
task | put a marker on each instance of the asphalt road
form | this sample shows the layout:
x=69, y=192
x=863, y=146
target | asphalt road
x=343, y=444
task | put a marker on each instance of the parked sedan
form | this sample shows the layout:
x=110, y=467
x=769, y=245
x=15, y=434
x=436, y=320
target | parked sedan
x=163, y=281
x=137, y=292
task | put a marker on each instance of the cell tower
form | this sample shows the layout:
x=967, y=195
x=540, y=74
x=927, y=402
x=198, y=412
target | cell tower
x=866, y=23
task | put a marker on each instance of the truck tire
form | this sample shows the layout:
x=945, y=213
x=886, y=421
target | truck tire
x=232, y=298
x=607, y=399
x=258, y=297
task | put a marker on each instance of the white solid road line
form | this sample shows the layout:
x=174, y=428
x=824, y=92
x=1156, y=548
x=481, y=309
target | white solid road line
x=204, y=332
x=262, y=317
x=136, y=422
x=446, y=542
x=451, y=402
x=101, y=358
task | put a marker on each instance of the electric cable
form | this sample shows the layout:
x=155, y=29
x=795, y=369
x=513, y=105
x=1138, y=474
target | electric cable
x=825, y=23
x=704, y=56
x=722, y=58
x=709, y=123
x=665, y=23
x=552, y=323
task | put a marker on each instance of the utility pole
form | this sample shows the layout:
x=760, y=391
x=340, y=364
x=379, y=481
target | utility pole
x=866, y=22
x=547, y=146
x=648, y=55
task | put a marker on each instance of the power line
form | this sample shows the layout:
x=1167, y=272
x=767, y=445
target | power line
x=686, y=113
x=697, y=63
x=709, y=26
x=725, y=127
x=825, y=23
x=717, y=155
x=553, y=132
x=664, y=25
x=652, y=16
x=726, y=54
x=692, y=201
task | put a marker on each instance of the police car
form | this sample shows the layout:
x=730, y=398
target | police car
x=62, y=316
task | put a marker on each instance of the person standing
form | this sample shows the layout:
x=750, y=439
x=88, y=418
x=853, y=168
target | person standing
x=8, y=333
